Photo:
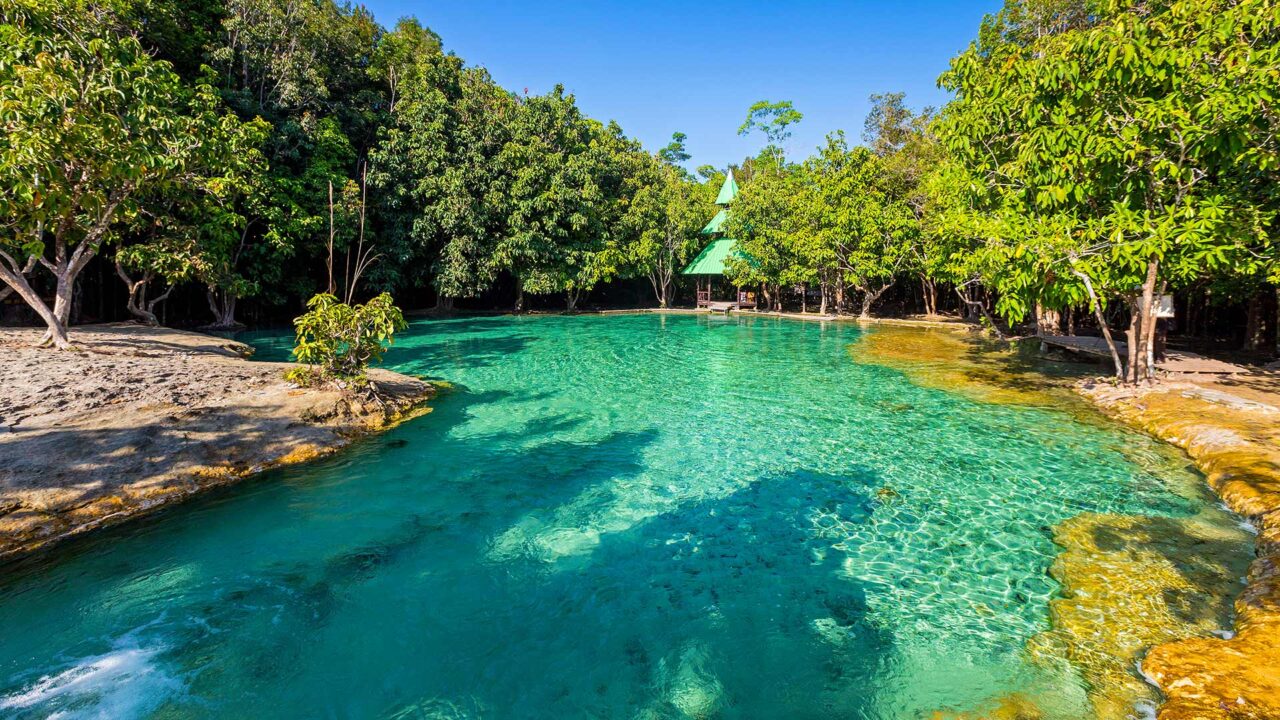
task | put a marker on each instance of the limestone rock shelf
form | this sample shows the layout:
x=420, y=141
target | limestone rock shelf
x=139, y=418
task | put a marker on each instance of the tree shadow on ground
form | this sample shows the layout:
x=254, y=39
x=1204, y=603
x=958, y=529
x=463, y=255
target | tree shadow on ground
x=37, y=470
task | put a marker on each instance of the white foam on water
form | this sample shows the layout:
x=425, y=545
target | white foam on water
x=123, y=683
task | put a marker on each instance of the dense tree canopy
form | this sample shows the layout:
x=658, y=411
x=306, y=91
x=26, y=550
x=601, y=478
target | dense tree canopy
x=94, y=126
x=1096, y=155
x=1123, y=151
x=225, y=143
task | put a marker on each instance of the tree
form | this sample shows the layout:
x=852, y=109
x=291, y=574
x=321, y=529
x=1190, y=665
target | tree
x=675, y=153
x=947, y=248
x=283, y=57
x=400, y=55
x=764, y=222
x=662, y=224
x=834, y=221
x=313, y=70
x=1120, y=149
x=442, y=192
x=910, y=153
x=183, y=227
x=873, y=227
x=92, y=124
x=773, y=121
x=889, y=125
x=562, y=194
x=338, y=341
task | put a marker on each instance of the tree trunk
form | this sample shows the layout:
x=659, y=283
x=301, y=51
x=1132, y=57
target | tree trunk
x=1271, y=318
x=804, y=298
x=869, y=297
x=571, y=299
x=223, y=306
x=1253, y=324
x=444, y=304
x=519, y=306
x=1048, y=322
x=976, y=307
x=1147, y=325
x=56, y=334
x=1102, y=323
x=661, y=287
x=7, y=290
x=1131, y=375
x=65, y=289
x=1260, y=327
x=929, y=292
x=137, y=300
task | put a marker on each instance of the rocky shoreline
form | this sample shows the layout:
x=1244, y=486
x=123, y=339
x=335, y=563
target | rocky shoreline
x=1235, y=441
x=1146, y=602
x=142, y=418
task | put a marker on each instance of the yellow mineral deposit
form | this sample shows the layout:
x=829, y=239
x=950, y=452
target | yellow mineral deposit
x=1130, y=583
x=1160, y=596
x=952, y=360
x=1237, y=445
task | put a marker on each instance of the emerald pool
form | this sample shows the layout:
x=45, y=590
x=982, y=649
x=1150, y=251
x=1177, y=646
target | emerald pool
x=640, y=516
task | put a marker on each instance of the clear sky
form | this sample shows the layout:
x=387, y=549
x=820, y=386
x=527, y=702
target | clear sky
x=695, y=66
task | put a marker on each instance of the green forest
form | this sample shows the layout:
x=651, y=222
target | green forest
x=1095, y=155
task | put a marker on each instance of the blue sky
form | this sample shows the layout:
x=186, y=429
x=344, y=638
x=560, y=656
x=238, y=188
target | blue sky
x=659, y=67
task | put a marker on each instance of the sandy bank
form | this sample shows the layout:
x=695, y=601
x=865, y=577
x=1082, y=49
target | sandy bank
x=143, y=417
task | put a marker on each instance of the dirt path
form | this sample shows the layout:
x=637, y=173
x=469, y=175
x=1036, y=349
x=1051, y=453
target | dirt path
x=142, y=417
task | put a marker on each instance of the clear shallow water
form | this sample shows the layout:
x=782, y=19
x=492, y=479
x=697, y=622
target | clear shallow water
x=631, y=516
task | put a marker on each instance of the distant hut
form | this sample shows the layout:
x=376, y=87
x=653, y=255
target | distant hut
x=709, y=264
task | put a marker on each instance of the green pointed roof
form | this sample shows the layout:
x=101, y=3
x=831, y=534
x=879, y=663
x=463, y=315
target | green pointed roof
x=712, y=258
x=716, y=223
x=729, y=190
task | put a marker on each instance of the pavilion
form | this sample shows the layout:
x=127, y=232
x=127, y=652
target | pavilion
x=710, y=263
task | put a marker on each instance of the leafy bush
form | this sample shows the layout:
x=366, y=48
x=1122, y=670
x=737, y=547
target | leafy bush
x=338, y=341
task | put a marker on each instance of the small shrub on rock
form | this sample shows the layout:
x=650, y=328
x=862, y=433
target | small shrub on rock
x=337, y=342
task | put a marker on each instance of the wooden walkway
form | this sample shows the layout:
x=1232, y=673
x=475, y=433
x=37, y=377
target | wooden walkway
x=1178, y=361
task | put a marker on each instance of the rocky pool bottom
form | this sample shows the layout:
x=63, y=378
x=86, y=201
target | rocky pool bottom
x=1235, y=441
x=658, y=516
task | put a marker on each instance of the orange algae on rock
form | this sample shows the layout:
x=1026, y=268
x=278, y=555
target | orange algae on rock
x=1237, y=445
x=949, y=359
x=1131, y=582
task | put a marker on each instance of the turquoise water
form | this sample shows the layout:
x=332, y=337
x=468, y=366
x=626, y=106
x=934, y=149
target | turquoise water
x=636, y=516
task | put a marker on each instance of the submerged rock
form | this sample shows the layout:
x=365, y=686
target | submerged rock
x=949, y=359
x=1132, y=582
x=1009, y=707
x=1238, y=448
